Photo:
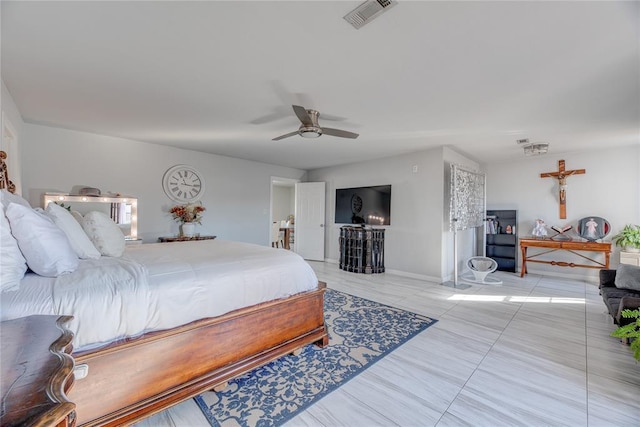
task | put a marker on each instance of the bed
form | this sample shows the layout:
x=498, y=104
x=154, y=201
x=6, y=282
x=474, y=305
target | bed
x=167, y=321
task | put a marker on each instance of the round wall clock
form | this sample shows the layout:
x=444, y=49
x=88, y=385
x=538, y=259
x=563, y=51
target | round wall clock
x=183, y=184
x=356, y=204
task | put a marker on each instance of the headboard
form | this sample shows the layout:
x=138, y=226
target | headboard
x=5, y=182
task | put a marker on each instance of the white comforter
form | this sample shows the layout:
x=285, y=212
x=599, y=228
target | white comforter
x=160, y=286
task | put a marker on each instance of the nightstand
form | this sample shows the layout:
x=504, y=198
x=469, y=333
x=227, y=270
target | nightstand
x=37, y=372
x=632, y=258
x=184, y=239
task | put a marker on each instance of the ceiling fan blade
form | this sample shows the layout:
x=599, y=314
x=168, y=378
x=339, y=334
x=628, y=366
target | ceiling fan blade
x=286, y=135
x=340, y=133
x=277, y=114
x=302, y=114
x=332, y=118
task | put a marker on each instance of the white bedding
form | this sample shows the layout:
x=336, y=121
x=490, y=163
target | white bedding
x=159, y=286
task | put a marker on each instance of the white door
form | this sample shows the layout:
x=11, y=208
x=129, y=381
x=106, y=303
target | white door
x=309, y=220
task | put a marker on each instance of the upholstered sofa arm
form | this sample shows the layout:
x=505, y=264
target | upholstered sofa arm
x=607, y=278
x=627, y=303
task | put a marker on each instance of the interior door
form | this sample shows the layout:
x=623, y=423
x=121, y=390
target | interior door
x=309, y=220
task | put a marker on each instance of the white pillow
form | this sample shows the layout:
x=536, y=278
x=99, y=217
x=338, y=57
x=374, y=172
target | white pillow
x=77, y=237
x=77, y=216
x=7, y=197
x=12, y=263
x=45, y=247
x=104, y=233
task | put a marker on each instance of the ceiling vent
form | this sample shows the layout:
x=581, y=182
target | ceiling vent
x=368, y=11
x=533, y=148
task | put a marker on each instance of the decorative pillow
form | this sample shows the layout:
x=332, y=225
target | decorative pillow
x=104, y=233
x=77, y=237
x=628, y=277
x=12, y=263
x=44, y=246
x=77, y=216
x=7, y=198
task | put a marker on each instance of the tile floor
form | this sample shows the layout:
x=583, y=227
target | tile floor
x=534, y=351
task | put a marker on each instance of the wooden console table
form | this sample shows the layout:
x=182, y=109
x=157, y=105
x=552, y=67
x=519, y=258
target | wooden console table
x=184, y=238
x=37, y=372
x=572, y=246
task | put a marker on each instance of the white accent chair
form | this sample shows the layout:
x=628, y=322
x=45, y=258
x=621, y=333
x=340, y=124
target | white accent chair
x=277, y=236
x=481, y=267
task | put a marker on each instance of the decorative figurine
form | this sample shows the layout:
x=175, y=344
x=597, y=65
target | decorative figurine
x=540, y=229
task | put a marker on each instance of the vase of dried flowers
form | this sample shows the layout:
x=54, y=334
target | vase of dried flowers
x=188, y=216
x=189, y=229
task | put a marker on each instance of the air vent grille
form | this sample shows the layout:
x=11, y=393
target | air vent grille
x=367, y=11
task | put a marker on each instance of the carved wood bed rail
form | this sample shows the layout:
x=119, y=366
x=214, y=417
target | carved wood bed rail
x=138, y=378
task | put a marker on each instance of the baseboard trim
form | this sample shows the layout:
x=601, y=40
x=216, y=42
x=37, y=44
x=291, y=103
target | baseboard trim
x=595, y=279
x=398, y=273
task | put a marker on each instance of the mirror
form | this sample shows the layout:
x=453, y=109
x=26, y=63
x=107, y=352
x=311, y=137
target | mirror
x=122, y=210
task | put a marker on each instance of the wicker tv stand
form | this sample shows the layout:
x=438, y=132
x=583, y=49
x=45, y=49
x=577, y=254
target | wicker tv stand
x=362, y=249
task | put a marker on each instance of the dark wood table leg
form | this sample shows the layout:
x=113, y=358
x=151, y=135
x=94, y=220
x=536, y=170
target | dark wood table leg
x=287, y=235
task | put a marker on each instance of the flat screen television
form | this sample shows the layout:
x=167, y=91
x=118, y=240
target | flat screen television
x=364, y=205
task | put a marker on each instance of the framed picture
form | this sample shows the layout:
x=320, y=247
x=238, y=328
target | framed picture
x=593, y=228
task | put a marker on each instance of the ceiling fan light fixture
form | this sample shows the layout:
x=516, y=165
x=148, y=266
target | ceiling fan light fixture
x=310, y=133
x=310, y=127
x=533, y=148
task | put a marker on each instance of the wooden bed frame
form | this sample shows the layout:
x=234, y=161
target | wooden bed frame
x=133, y=379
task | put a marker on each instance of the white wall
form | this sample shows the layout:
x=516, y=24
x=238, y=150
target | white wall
x=610, y=189
x=418, y=240
x=237, y=194
x=10, y=110
x=413, y=240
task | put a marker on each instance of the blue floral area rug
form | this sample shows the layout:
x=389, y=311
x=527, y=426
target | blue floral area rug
x=361, y=332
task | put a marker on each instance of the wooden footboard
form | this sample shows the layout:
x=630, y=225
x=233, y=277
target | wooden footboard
x=131, y=380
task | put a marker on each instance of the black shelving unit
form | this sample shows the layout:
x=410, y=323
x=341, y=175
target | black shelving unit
x=500, y=245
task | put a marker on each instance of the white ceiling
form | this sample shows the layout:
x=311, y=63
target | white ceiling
x=220, y=77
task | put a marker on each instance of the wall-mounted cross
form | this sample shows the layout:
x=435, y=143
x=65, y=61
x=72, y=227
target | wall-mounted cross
x=561, y=176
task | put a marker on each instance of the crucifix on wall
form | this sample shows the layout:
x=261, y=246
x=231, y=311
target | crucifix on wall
x=561, y=175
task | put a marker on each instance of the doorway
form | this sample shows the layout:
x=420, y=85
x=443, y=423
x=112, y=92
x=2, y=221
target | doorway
x=283, y=206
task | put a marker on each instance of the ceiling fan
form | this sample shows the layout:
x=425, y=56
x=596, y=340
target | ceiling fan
x=310, y=127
